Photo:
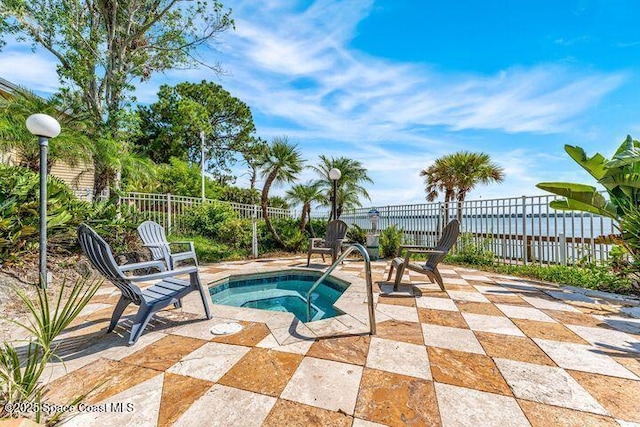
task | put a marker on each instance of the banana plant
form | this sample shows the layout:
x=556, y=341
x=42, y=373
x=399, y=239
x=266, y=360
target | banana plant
x=620, y=177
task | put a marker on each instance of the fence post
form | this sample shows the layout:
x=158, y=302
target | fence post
x=169, y=213
x=562, y=247
x=254, y=229
x=525, y=241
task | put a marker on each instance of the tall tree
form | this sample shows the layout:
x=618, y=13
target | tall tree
x=305, y=195
x=281, y=163
x=457, y=174
x=350, y=186
x=71, y=146
x=171, y=127
x=103, y=46
x=472, y=169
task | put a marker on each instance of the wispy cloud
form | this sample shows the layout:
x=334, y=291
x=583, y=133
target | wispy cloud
x=294, y=64
x=348, y=95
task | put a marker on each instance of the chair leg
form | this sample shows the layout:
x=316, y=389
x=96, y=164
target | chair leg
x=322, y=257
x=203, y=295
x=308, y=258
x=178, y=303
x=123, y=303
x=438, y=278
x=390, y=272
x=399, y=274
x=140, y=323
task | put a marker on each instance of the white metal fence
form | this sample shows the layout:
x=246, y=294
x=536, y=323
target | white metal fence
x=168, y=210
x=517, y=229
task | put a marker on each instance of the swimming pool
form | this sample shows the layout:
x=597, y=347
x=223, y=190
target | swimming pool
x=280, y=291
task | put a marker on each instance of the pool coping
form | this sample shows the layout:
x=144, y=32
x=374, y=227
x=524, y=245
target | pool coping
x=287, y=328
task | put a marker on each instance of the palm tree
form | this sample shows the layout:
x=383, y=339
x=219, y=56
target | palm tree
x=305, y=194
x=350, y=185
x=280, y=164
x=73, y=145
x=472, y=169
x=457, y=174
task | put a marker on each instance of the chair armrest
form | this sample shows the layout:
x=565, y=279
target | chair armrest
x=415, y=247
x=138, y=265
x=314, y=240
x=164, y=274
x=424, y=251
x=191, y=245
x=154, y=245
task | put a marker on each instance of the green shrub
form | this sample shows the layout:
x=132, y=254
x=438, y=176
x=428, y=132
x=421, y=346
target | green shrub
x=472, y=251
x=205, y=220
x=288, y=228
x=356, y=234
x=592, y=277
x=19, y=215
x=390, y=241
x=211, y=251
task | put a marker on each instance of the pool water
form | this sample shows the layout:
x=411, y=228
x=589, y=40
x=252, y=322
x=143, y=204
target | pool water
x=280, y=292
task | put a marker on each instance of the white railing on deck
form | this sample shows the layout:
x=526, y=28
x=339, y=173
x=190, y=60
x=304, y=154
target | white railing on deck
x=516, y=229
x=168, y=210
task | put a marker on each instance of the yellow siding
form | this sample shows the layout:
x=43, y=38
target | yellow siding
x=79, y=178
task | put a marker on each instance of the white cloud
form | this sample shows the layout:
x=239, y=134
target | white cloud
x=295, y=67
x=33, y=70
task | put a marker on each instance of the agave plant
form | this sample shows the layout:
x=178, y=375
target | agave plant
x=23, y=363
x=620, y=177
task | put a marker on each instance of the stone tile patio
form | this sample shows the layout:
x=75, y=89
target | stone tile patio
x=490, y=351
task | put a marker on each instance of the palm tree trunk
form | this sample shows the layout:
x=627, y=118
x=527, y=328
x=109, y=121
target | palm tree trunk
x=265, y=212
x=303, y=217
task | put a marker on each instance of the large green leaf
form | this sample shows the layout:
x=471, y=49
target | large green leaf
x=574, y=205
x=627, y=154
x=595, y=165
x=579, y=197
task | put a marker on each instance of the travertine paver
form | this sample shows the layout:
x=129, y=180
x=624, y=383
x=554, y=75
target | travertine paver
x=583, y=358
x=210, y=362
x=465, y=407
x=545, y=384
x=487, y=351
x=399, y=357
x=325, y=384
x=451, y=338
x=227, y=406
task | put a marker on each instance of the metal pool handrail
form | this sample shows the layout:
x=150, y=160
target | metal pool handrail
x=367, y=266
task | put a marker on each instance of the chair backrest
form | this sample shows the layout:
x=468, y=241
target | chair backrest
x=335, y=230
x=152, y=232
x=446, y=242
x=101, y=258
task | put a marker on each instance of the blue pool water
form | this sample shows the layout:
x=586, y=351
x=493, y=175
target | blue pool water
x=281, y=291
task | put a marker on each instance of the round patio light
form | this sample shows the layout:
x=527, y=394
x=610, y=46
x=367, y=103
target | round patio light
x=335, y=174
x=44, y=127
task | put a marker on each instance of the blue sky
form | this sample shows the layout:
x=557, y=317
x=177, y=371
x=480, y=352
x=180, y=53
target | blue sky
x=399, y=83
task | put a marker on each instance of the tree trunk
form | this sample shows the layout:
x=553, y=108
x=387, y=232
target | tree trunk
x=303, y=217
x=264, y=202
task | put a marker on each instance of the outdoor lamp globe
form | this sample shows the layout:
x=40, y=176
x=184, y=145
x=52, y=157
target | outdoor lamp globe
x=335, y=174
x=43, y=125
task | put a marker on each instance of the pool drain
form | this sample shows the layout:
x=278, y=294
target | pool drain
x=226, y=328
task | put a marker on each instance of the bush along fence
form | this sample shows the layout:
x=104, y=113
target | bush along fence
x=171, y=211
x=514, y=230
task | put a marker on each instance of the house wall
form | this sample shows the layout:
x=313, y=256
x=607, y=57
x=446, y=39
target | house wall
x=79, y=178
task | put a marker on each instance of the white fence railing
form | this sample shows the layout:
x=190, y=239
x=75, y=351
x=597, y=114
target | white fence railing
x=168, y=210
x=517, y=229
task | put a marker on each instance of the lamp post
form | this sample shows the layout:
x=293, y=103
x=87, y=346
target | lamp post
x=202, y=163
x=44, y=127
x=334, y=175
